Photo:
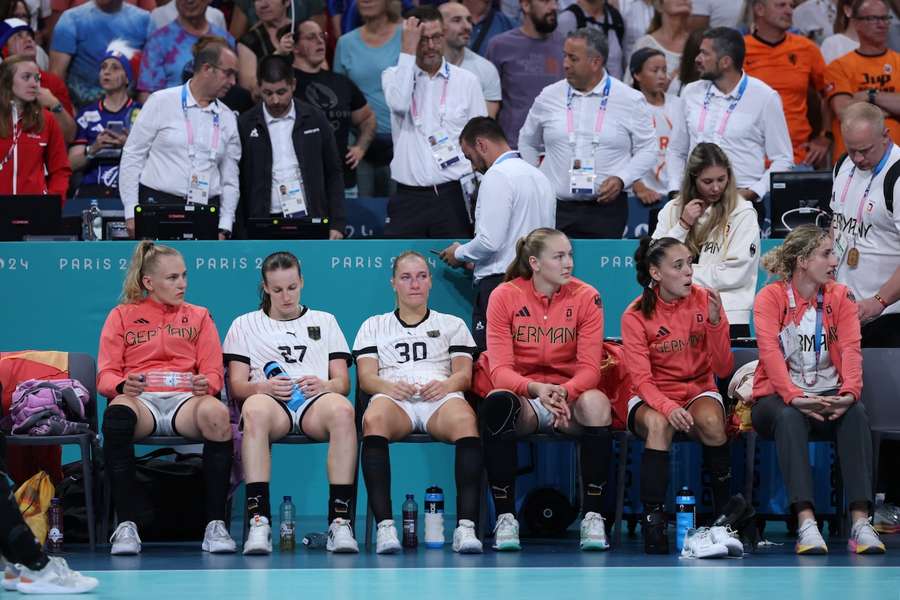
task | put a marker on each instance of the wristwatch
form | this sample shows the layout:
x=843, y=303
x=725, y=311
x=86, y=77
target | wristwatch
x=872, y=93
x=89, y=151
x=58, y=108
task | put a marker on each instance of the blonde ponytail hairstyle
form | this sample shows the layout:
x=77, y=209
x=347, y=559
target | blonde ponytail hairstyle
x=782, y=260
x=526, y=247
x=143, y=261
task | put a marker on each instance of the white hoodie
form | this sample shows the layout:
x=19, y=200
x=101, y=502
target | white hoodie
x=729, y=266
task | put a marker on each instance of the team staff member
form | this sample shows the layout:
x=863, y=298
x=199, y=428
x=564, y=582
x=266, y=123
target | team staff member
x=541, y=373
x=430, y=101
x=867, y=74
x=458, y=32
x=598, y=136
x=720, y=229
x=866, y=228
x=676, y=342
x=160, y=364
x=313, y=355
x=791, y=64
x=739, y=113
x=417, y=364
x=184, y=146
x=809, y=379
x=516, y=198
x=290, y=164
x=32, y=149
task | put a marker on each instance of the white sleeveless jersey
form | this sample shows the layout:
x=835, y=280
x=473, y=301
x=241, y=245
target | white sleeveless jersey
x=416, y=353
x=302, y=346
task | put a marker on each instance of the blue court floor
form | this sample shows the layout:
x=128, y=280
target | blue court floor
x=544, y=570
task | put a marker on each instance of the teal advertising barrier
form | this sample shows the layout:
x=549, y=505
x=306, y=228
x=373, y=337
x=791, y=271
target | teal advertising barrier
x=56, y=295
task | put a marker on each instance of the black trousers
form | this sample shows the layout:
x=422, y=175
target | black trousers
x=884, y=332
x=484, y=287
x=591, y=220
x=428, y=212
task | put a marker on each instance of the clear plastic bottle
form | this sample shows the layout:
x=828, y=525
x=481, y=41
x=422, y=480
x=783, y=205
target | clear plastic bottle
x=92, y=222
x=410, y=522
x=287, y=525
x=434, y=517
x=55, y=533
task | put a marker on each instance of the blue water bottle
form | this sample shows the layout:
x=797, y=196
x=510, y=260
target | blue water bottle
x=273, y=369
x=685, y=515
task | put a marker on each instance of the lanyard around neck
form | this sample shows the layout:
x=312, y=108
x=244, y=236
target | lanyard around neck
x=442, y=107
x=601, y=113
x=708, y=98
x=859, y=209
x=214, y=144
x=817, y=336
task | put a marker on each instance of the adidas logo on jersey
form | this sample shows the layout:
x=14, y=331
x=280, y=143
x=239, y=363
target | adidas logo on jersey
x=663, y=332
x=142, y=321
x=523, y=312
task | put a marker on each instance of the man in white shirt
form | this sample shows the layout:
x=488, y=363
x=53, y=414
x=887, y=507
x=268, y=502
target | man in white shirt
x=739, y=113
x=430, y=102
x=516, y=199
x=598, y=136
x=457, y=32
x=184, y=145
x=715, y=13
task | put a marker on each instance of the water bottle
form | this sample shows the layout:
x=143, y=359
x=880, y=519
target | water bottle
x=92, y=223
x=879, y=500
x=286, y=524
x=434, y=517
x=273, y=369
x=55, y=534
x=685, y=515
x=410, y=522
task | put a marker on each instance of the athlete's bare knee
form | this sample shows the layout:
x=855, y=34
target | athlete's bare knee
x=213, y=420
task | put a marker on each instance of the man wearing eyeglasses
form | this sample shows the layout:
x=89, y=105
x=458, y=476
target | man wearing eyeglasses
x=868, y=74
x=430, y=102
x=184, y=146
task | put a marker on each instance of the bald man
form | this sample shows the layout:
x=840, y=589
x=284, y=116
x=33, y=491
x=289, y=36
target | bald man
x=457, y=32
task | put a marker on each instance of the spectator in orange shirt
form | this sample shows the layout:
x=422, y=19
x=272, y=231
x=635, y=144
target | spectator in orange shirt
x=541, y=372
x=676, y=339
x=791, y=64
x=868, y=74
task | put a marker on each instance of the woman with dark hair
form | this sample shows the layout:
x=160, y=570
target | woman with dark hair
x=33, y=158
x=676, y=341
x=541, y=373
x=271, y=35
x=417, y=364
x=649, y=74
x=668, y=32
x=288, y=371
x=687, y=68
x=720, y=229
x=809, y=380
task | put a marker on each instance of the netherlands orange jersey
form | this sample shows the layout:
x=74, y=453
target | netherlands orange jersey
x=548, y=340
x=673, y=356
x=855, y=72
x=789, y=67
x=149, y=336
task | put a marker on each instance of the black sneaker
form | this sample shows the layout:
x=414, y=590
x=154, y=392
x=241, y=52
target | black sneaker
x=741, y=517
x=653, y=530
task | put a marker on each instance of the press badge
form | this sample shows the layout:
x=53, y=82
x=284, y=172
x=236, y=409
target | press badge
x=293, y=198
x=198, y=190
x=788, y=339
x=582, y=176
x=443, y=149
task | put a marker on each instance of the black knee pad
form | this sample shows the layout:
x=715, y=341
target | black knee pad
x=718, y=461
x=498, y=414
x=119, y=423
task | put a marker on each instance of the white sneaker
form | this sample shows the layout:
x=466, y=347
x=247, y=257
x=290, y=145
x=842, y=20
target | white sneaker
x=864, y=539
x=340, y=538
x=10, y=577
x=386, y=540
x=698, y=543
x=809, y=540
x=727, y=537
x=593, y=532
x=259, y=536
x=55, y=578
x=217, y=540
x=125, y=539
x=506, y=533
x=464, y=539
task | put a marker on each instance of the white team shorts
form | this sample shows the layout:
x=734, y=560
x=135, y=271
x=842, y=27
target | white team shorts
x=295, y=416
x=543, y=414
x=636, y=402
x=164, y=406
x=420, y=411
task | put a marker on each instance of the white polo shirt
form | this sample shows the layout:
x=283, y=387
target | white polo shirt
x=413, y=163
x=514, y=199
x=626, y=144
x=749, y=126
x=875, y=230
x=157, y=156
